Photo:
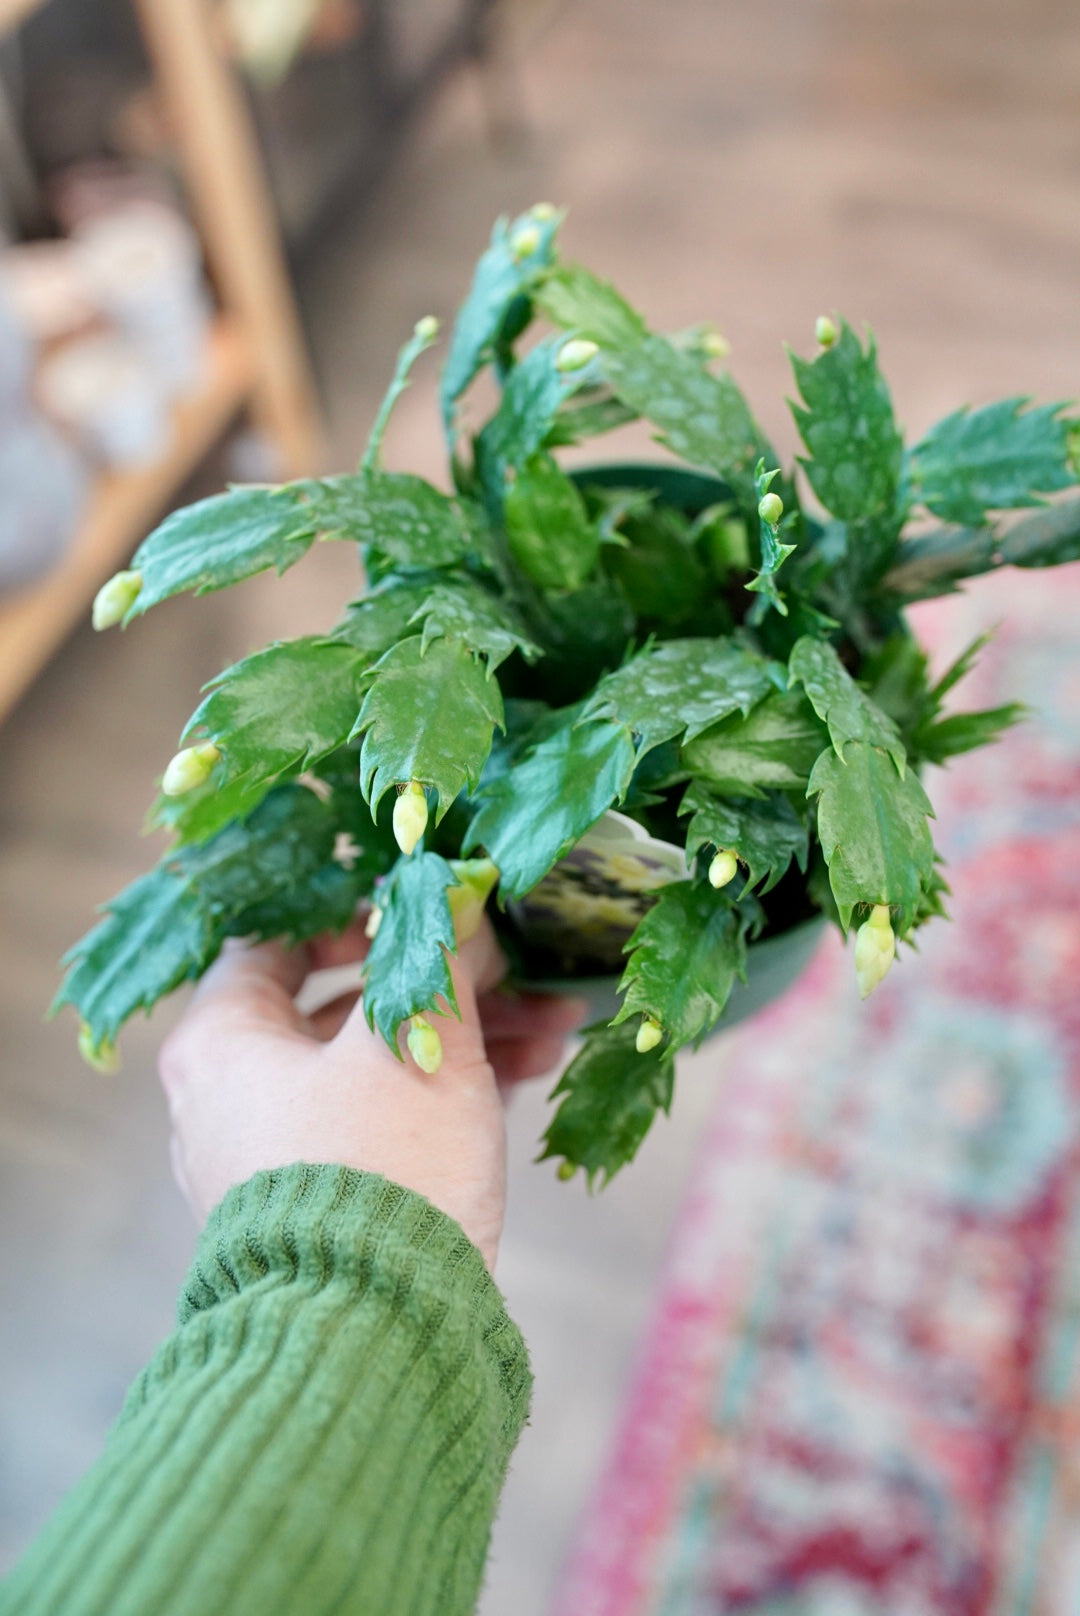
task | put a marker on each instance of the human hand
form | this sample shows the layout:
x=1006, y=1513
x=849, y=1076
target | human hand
x=253, y=1083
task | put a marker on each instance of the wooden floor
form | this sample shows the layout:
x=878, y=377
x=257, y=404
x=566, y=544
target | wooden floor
x=912, y=164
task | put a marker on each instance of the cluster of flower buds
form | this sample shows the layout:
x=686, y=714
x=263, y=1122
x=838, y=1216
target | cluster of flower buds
x=425, y=1045
x=115, y=599
x=575, y=354
x=189, y=768
x=649, y=1034
x=875, y=949
x=410, y=816
x=724, y=867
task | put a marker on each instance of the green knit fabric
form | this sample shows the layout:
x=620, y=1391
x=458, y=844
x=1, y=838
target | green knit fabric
x=327, y=1429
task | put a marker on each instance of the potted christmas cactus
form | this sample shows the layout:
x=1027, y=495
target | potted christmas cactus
x=671, y=715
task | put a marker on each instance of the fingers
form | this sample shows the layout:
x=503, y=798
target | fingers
x=254, y=982
x=522, y=1014
x=476, y=968
x=330, y=949
x=517, y=1059
x=327, y=1021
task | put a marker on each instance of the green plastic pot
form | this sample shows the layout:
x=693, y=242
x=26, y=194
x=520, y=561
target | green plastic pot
x=775, y=963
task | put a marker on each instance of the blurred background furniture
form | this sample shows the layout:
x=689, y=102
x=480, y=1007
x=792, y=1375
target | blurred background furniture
x=265, y=112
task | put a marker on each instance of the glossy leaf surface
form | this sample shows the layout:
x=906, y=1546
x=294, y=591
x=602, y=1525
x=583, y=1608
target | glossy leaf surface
x=766, y=833
x=406, y=970
x=681, y=687
x=282, y=708
x=873, y=829
x=427, y=716
x=996, y=458
x=609, y=1097
x=529, y=817
x=684, y=958
x=775, y=745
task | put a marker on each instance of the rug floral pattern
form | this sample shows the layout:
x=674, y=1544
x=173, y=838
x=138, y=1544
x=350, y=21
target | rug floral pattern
x=861, y=1390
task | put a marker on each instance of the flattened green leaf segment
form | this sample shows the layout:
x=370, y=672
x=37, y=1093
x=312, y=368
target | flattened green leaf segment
x=487, y=624
x=548, y=528
x=684, y=957
x=399, y=518
x=503, y=275
x=991, y=459
x=427, y=716
x=775, y=745
x=680, y=686
x=702, y=417
x=848, y=711
x=848, y=427
x=270, y=875
x=532, y=394
x=281, y=709
x=528, y=818
x=577, y=300
x=407, y=970
x=156, y=934
x=222, y=540
x=873, y=831
x=611, y=1095
x=766, y=834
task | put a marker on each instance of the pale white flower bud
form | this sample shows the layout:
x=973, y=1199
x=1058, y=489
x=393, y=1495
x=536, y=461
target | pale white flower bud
x=374, y=921
x=410, y=816
x=524, y=242
x=724, y=868
x=875, y=949
x=475, y=879
x=102, y=1054
x=544, y=211
x=770, y=508
x=825, y=331
x=714, y=344
x=649, y=1035
x=576, y=354
x=190, y=767
x=115, y=599
x=427, y=328
x=425, y=1045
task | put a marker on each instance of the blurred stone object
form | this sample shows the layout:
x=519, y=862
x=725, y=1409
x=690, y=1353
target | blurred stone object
x=16, y=358
x=143, y=264
x=81, y=192
x=43, y=486
x=42, y=481
x=45, y=286
x=101, y=390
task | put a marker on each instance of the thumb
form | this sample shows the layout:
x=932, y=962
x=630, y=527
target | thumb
x=478, y=966
x=475, y=969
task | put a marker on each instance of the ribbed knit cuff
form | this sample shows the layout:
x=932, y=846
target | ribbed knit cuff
x=327, y=1429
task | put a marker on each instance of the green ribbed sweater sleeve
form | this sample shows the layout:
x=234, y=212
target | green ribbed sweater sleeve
x=326, y=1430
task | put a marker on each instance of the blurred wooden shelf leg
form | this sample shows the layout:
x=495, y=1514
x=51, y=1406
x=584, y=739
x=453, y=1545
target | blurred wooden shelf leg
x=233, y=208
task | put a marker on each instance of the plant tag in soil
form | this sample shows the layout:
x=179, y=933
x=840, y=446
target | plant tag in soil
x=586, y=908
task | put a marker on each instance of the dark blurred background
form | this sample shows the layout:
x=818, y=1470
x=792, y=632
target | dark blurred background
x=911, y=164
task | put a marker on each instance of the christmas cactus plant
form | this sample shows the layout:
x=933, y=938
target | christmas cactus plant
x=709, y=662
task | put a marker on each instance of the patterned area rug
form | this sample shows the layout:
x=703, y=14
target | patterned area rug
x=861, y=1390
